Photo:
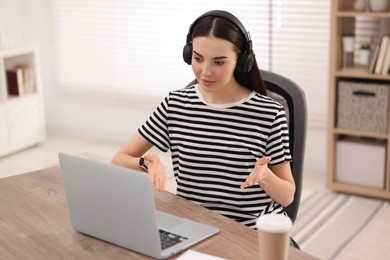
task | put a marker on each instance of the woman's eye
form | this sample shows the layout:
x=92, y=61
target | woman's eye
x=219, y=63
x=198, y=59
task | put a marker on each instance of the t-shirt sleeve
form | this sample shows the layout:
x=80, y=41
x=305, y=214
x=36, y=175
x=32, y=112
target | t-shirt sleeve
x=278, y=146
x=155, y=129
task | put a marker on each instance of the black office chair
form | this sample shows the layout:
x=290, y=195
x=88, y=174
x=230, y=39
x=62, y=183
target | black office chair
x=292, y=97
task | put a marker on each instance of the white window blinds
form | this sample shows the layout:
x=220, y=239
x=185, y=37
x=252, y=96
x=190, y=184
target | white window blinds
x=135, y=47
x=300, y=50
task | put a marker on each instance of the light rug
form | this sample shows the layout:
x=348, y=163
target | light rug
x=333, y=225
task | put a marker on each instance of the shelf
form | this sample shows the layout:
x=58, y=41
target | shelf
x=16, y=52
x=338, y=131
x=353, y=14
x=361, y=74
x=359, y=189
x=12, y=99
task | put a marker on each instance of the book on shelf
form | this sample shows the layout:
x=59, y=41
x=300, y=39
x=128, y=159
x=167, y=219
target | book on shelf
x=381, y=56
x=15, y=82
x=386, y=61
x=28, y=78
x=374, y=58
x=20, y=80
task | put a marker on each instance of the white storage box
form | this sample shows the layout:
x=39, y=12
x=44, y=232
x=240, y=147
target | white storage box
x=361, y=161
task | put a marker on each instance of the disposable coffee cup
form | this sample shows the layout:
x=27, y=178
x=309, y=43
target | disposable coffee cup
x=274, y=236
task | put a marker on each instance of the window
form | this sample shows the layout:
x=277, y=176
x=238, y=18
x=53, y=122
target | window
x=135, y=47
x=300, y=50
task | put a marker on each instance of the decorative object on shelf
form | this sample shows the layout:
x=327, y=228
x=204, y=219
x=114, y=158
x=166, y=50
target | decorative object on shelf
x=364, y=54
x=378, y=5
x=359, y=5
x=348, y=49
x=348, y=41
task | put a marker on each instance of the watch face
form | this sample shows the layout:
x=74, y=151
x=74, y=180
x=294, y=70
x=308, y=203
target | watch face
x=142, y=163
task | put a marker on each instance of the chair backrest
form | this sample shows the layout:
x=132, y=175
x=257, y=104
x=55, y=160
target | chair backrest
x=292, y=97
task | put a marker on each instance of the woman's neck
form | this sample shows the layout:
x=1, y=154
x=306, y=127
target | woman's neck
x=230, y=94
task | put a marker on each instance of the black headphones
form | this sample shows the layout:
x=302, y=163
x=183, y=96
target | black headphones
x=246, y=57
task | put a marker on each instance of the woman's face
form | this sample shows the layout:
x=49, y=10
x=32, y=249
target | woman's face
x=213, y=63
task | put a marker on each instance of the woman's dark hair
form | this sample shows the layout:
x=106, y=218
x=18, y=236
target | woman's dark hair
x=224, y=29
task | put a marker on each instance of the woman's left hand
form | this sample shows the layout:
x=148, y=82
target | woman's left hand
x=260, y=172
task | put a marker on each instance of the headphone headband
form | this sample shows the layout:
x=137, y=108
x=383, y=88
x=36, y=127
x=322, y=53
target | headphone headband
x=222, y=14
x=246, y=57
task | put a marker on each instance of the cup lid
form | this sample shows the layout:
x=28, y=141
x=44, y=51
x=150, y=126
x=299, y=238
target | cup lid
x=274, y=223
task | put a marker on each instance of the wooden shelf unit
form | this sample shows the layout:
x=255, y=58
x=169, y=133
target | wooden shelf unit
x=343, y=20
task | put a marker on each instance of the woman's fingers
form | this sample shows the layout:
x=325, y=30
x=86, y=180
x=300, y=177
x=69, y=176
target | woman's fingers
x=257, y=174
x=158, y=182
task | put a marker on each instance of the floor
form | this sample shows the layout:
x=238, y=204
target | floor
x=46, y=154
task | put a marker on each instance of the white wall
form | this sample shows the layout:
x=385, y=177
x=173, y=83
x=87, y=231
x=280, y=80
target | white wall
x=101, y=115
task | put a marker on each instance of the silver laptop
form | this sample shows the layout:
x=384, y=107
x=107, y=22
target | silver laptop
x=116, y=204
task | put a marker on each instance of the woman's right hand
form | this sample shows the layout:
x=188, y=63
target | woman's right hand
x=156, y=171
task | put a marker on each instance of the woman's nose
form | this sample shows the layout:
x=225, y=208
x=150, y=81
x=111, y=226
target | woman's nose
x=206, y=69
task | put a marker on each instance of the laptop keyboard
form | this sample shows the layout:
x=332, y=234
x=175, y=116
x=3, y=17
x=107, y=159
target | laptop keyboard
x=169, y=239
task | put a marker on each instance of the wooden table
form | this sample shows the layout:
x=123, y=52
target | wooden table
x=35, y=224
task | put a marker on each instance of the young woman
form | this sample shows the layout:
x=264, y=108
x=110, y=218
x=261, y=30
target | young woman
x=229, y=141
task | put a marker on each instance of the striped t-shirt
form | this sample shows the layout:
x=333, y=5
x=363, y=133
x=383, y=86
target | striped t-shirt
x=215, y=147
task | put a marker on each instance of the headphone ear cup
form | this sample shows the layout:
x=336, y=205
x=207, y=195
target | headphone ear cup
x=245, y=61
x=187, y=53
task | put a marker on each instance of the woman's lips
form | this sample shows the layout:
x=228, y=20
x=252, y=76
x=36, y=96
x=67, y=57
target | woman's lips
x=207, y=83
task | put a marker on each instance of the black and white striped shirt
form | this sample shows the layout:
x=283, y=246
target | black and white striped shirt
x=215, y=147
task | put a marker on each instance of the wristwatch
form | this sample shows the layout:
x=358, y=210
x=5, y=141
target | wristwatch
x=142, y=164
